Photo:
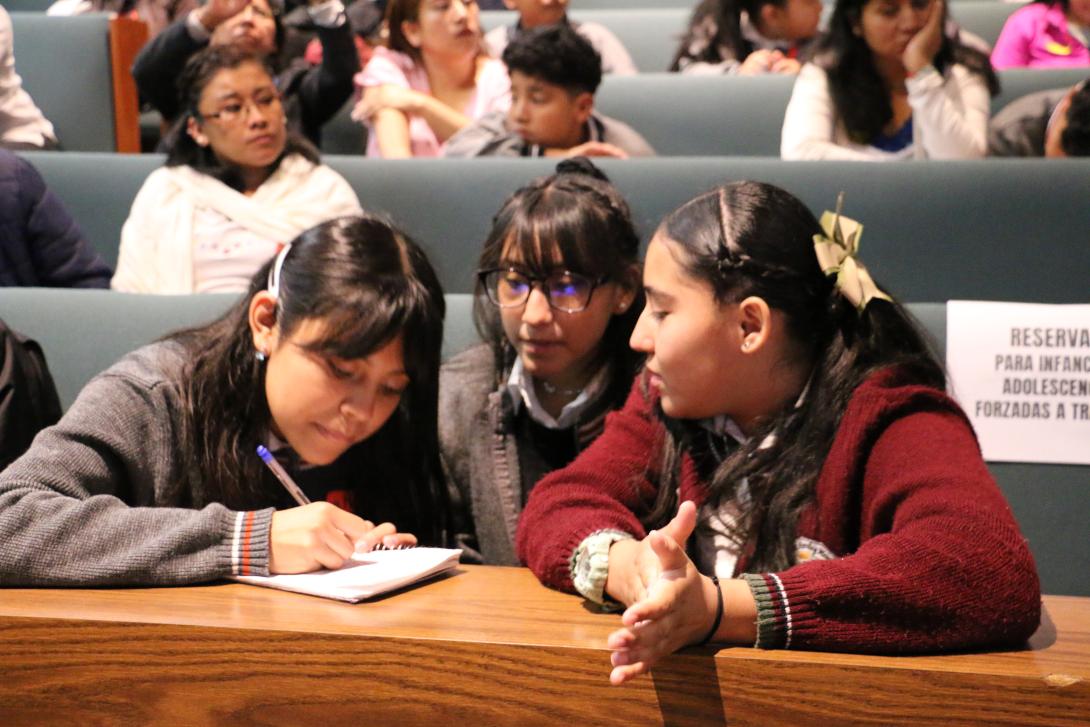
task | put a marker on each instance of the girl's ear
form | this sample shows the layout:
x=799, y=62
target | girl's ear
x=754, y=323
x=584, y=105
x=263, y=325
x=630, y=285
x=411, y=31
x=194, y=130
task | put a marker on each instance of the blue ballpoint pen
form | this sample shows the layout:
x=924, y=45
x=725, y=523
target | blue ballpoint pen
x=282, y=475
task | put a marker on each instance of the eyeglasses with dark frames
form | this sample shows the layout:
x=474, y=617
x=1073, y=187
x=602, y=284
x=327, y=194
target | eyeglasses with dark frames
x=566, y=291
x=238, y=110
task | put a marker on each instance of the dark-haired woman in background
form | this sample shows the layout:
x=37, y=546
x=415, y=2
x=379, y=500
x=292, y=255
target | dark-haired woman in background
x=556, y=298
x=747, y=36
x=236, y=186
x=887, y=83
x=792, y=437
x=330, y=360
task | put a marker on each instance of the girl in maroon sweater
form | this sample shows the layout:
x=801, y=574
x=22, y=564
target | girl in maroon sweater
x=799, y=419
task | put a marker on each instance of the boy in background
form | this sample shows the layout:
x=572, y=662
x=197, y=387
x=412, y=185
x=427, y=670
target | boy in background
x=554, y=75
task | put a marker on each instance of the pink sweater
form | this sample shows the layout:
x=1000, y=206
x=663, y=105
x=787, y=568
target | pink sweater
x=1036, y=36
x=928, y=554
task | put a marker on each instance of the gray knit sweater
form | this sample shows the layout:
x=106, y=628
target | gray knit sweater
x=87, y=504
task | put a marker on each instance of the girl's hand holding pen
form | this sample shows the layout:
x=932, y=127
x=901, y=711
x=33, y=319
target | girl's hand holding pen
x=321, y=535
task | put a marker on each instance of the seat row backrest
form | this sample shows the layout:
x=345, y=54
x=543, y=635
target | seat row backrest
x=994, y=229
x=84, y=331
x=652, y=34
x=711, y=115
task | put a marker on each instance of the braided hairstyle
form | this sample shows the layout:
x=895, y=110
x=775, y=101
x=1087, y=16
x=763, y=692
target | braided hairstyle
x=578, y=217
x=753, y=239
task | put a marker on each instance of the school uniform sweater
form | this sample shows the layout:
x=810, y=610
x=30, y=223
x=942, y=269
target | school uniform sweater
x=93, y=502
x=926, y=553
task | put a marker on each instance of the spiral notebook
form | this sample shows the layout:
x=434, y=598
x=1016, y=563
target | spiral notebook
x=367, y=575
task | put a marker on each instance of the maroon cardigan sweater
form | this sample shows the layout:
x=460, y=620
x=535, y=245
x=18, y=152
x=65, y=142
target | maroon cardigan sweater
x=928, y=554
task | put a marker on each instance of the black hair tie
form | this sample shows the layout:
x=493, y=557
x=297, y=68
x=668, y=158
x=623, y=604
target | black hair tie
x=581, y=165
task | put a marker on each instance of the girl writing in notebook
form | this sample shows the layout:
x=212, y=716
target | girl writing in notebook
x=330, y=361
x=788, y=471
x=557, y=295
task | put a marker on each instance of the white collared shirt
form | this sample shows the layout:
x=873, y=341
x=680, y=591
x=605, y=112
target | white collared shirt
x=521, y=386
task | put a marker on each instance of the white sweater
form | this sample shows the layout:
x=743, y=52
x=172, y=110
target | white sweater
x=157, y=240
x=949, y=119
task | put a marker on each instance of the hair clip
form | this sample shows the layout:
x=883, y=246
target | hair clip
x=273, y=283
x=837, y=251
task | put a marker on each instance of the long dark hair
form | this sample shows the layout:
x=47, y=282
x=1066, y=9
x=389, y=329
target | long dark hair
x=198, y=72
x=366, y=282
x=725, y=16
x=858, y=91
x=580, y=213
x=754, y=239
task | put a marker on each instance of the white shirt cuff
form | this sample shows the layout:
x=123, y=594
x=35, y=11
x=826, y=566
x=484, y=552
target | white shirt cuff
x=590, y=564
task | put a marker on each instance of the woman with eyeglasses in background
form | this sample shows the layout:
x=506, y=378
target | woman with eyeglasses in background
x=236, y=187
x=556, y=297
x=312, y=93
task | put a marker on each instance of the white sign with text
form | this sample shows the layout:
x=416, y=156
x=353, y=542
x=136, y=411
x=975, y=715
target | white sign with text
x=1021, y=371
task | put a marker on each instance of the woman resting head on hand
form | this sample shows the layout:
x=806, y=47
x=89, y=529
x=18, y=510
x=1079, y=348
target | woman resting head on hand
x=887, y=82
x=237, y=185
x=823, y=475
x=557, y=295
x=330, y=361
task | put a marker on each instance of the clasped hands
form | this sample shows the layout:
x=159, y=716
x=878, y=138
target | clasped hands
x=670, y=604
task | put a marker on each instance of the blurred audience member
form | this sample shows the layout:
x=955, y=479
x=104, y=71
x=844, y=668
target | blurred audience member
x=237, y=185
x=747, y=36
x=887, y=83
x=1045, y=34
x=311, y=95
x=1053, y=123
x=431, y=80
x=40, y=243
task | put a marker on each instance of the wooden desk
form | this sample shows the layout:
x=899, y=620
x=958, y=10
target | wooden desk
x=485, y=646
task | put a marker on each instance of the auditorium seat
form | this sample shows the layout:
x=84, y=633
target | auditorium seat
x=77, y=70
x=700, y=115
x=995, y=229
x=650, y=35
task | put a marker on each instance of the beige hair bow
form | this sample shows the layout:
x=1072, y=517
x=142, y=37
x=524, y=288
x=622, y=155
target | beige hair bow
x=836, y=253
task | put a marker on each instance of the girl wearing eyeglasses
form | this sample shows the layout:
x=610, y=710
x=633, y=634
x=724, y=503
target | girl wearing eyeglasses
x=556, y=298
x=236, y=187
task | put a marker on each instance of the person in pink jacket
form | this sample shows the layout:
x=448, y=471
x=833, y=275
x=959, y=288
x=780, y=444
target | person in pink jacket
x=1045, y=35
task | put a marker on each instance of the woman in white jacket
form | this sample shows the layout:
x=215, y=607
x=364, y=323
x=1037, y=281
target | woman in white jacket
x=236, y=186
x=887, y=83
